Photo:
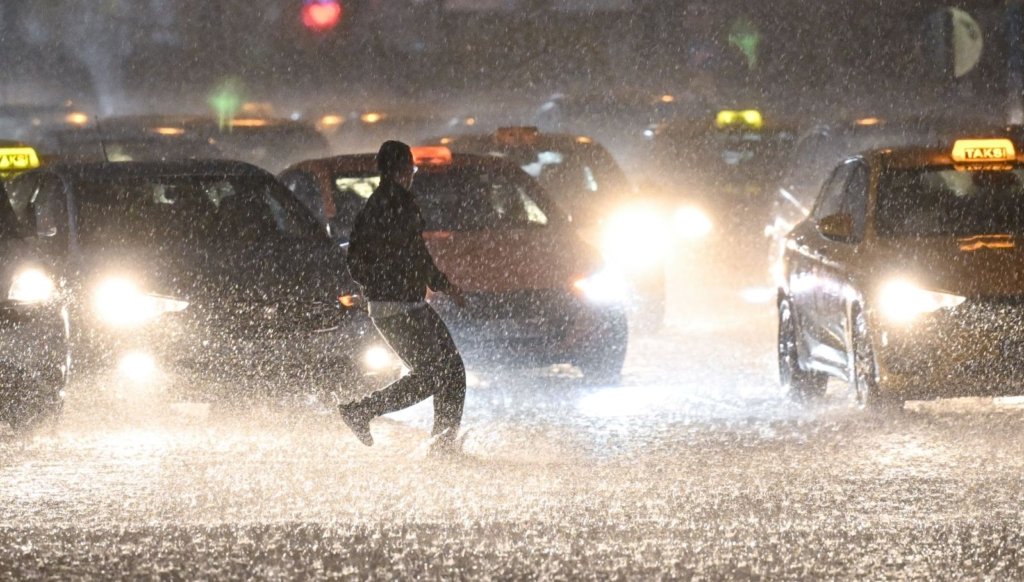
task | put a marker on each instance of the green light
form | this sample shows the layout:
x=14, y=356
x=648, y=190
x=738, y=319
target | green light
x=225, y=101
x=744, y=35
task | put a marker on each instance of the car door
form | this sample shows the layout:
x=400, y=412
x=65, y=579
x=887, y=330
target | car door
x=33, y=325
x=837, y=255
x=807, y=267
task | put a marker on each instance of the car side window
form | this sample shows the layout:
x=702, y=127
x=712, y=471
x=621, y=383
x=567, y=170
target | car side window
x=830, y=201
x=303, y=186
x=50, y=206
x=855, y=199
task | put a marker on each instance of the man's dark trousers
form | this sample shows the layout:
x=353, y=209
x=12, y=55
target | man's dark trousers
x=421, y=339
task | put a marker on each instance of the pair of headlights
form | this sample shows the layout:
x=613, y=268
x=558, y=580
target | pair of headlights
x=116, y=301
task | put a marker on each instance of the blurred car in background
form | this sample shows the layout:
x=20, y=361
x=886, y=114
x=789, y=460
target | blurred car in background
x=726, y=166
x=34, y=353
x=633, y=230
x=128, y=143
x=537, y=294
x=196, y=279
x=903, y=279
x=269, y=143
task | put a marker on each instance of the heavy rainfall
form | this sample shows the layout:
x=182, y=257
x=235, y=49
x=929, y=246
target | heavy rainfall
x=732, y=289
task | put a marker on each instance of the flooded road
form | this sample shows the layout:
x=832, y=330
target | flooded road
x=696, y=465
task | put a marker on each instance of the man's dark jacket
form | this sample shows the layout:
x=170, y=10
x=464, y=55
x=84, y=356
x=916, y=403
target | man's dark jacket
x=386, y=252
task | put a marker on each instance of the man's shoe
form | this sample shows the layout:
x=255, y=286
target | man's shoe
x=358, y=422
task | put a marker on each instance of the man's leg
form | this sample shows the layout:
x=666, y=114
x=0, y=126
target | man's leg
x=423, y=342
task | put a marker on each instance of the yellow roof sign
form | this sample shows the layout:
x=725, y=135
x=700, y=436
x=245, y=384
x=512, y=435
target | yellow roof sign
x=18, y=159
x=983, y=151
x=751, y=118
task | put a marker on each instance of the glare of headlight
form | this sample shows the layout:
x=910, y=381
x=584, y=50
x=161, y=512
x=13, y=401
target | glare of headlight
x=31, y=286
x=635, y=238
x=137, y=366
x=691, y=222
x=901, y=301
x=120, y=303
x=378, y=358
x=76, y=118
x=372, y=117
x=328, y=121
x=603, y=287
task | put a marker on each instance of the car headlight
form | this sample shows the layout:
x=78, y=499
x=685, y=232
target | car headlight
x=603, y=287
x=691, y=222
x=635, y=238
x=901, y=301
x=120, y=303
x=31, y=287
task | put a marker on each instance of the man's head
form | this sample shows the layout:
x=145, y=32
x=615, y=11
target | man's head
x=395, y=162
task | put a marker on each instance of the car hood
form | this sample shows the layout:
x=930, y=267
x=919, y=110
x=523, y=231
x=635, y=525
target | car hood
x=989, y=265
x=286, y=271
x=512, y=260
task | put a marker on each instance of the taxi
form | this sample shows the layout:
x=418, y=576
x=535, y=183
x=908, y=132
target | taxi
x=904, y=281
x=537, y=294
x=634, y=231
x=192, y=280
x=725, y=165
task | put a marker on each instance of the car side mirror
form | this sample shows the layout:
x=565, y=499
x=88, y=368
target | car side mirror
x=837, y=227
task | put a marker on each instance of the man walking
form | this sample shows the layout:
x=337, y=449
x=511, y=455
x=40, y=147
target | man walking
x=388, y=257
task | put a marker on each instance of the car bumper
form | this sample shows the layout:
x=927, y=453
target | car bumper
x=972, y=350
x=190, y=361
x=530, y=328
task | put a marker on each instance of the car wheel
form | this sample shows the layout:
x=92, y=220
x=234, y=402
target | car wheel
x=602, y=358
x=872, y=393
x=802, y=386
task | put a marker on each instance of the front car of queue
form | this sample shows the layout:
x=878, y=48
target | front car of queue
x=537, y=294
x=635, y=229
x=904, y=281
x=198, y=280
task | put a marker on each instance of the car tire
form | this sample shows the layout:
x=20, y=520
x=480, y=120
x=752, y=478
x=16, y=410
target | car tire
x=872, y=393
x=801, y=385
x=601, y=360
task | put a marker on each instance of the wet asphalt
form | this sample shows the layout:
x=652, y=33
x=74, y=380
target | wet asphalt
x=695, y=466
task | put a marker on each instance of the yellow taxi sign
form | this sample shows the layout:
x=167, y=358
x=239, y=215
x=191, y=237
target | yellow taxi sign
x=983, y=151
x=18, y=159
x=750, y=118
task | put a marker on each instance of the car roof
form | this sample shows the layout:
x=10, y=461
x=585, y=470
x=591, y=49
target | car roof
x=368, y=163
x=913, y=157
x=177, y=167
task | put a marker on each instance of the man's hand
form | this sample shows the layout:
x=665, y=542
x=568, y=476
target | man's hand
x=456, y=295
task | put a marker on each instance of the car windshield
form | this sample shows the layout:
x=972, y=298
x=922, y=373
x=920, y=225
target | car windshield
x=203, y=209
x=573, y=175
x=457, y=199
x=945, y=201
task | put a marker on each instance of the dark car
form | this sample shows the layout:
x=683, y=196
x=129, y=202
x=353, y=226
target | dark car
x=204, y=278
x=903, y=280
x=537, y=294
x=33, y=330
x=727, y=166
x=270, y=143
x=121, y=143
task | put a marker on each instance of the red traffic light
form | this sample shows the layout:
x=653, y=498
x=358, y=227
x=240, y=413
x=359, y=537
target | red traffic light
x=321, y=15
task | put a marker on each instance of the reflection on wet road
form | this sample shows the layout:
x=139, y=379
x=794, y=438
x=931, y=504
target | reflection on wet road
x=695, y=465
